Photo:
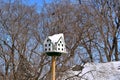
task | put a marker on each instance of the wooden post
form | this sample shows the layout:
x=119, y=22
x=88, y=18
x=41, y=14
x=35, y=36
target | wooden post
x=53, y=67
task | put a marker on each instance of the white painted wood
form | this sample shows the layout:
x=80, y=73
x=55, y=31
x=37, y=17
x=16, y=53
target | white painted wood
x=55, y=43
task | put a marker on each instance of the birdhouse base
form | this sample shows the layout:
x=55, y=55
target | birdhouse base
x=53, y=53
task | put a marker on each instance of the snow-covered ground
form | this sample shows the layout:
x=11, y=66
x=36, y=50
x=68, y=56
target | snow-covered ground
x=92, y=71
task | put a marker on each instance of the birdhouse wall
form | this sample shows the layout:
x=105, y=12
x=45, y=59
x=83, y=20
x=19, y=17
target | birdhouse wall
x=48, y=45
x=60, y=45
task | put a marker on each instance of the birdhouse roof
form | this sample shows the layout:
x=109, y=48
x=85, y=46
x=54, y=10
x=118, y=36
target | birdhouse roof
x=54, y=38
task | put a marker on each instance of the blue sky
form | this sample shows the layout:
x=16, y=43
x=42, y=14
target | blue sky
x=37, y=2
x=31, y=2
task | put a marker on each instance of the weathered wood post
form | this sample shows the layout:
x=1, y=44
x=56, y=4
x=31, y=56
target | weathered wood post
x=53, y=67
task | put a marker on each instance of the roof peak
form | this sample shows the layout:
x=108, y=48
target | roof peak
x=54, y=38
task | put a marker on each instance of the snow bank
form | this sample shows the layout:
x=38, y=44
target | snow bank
x=92, y=71
x=102, y=71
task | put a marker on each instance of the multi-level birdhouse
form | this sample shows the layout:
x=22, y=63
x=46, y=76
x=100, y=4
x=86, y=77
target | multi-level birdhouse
x=55, y=45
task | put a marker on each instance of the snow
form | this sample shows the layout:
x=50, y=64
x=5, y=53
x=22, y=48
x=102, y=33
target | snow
x=102, y=71
x=54, y=38
x=99, y=71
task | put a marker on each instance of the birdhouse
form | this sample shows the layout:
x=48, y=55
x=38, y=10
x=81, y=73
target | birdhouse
x=55, y=45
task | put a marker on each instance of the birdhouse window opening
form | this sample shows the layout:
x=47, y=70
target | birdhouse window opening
x=49, y=49
x=58, y=44
x=45, y=49
x=62, y=49
x=48, y=40
x=45, y=45
x=49, y=45
x=62, y=45
x=58, y=48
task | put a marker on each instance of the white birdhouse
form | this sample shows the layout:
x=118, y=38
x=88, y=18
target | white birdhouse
x=55, y=43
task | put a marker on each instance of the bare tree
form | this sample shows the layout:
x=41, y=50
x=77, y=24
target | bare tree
x=91, y=33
